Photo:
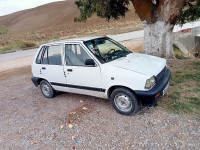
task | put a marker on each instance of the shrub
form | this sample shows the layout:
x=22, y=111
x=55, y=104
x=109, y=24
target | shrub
x=27, y=44
x=6, y=49
x=3, y=30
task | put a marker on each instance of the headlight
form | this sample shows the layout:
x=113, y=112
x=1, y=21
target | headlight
x=150, y=82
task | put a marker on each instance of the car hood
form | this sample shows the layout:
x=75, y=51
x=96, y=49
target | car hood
x=141, y=63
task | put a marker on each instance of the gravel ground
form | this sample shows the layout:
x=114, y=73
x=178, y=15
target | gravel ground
x=30, y=121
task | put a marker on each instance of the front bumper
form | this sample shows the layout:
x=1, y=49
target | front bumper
x=151, y=97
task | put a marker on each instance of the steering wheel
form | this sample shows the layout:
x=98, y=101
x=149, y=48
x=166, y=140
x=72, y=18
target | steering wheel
x=111, y=51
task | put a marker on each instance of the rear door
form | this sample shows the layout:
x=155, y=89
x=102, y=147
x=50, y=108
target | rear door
x=51, y=66
x=80, y=78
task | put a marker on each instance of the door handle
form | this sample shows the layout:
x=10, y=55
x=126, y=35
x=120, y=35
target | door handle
x=44, y=68
x=69, y=70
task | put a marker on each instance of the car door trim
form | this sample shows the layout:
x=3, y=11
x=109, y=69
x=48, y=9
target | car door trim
x=79, y=87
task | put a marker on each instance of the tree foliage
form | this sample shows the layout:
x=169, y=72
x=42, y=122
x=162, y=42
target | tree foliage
x=190, y=12
x=103, y=8
x=117, y=8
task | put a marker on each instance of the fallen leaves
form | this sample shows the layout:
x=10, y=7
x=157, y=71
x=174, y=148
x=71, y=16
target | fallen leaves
x=73, y=137
x=70, y=121
x=70, y=126
x=103, y=123
x=61, y=127
x=35, y=142
x=72, y=113
x=79, y=119
x=74, y=117
x=85, y=108
x=13, y=98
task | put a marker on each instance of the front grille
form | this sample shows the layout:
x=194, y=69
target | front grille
x=161, y=74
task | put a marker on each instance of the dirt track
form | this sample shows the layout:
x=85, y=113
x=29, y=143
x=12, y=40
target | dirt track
x=30, y=121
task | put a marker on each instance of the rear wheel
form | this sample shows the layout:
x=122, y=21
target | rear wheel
x=124, y=101
x=47, y=89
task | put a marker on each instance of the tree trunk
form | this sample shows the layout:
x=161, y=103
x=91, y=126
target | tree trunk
x=159, y=18
x=158, y=39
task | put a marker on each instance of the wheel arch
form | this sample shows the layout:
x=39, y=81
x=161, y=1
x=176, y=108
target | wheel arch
x=37, y=81
x=112, y=88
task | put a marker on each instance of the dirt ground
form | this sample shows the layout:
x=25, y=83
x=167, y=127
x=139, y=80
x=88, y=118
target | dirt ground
x=30, y=121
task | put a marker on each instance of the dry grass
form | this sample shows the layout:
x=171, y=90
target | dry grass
x=27, y=44
x=55, y=21
x=12, y=41
x=3, y=30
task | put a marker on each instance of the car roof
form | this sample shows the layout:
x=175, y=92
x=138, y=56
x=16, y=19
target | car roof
x=78, y=39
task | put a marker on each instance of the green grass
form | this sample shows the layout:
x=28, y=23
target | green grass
x=18, y=45
x=178, y=54
x=6, y=49
x=184, y=92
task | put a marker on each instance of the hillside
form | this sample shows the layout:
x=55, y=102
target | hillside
x=53, y=14
x=41, y=17
x=56, y=21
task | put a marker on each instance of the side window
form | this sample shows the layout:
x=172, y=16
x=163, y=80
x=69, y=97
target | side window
x=45, y=57
x=39, y=57
x=52, y=55
x=75, y=55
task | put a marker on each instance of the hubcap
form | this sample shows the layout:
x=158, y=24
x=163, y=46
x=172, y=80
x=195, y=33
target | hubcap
x=46, y=89
x=123, y=102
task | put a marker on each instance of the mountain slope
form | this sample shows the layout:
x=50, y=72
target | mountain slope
x=51, y=15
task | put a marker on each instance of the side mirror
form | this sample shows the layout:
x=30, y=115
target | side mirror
x=89, y=62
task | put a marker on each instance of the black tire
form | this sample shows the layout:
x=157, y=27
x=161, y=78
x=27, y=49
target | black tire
x=47, y=89
x=122, y=97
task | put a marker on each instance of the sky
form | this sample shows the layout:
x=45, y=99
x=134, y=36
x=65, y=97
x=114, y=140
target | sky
x=10, y=6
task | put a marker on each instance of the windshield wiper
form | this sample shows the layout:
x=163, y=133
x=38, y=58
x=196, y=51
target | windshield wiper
x=121, y=56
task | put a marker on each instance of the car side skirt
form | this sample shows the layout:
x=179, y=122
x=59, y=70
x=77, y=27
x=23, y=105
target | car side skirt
x=79, y=87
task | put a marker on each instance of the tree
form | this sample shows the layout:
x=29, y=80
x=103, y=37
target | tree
x=158, y=16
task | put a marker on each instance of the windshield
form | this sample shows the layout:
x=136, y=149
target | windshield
x=106, y=49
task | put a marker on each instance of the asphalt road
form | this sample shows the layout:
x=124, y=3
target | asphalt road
x=17, y=54
x=117, y=37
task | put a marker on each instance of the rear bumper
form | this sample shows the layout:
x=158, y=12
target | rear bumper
x=35, y=80
x=151, y=97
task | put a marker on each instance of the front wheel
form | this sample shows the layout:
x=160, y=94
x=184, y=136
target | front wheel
x=124, y=101
x=46, y=89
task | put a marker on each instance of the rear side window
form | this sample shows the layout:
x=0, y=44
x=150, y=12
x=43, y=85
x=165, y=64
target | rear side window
x=52, y=55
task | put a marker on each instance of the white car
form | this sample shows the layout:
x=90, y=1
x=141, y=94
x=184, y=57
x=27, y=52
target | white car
x=100, y=67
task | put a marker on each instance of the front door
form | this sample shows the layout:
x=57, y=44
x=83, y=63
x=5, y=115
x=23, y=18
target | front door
x=80, y=78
